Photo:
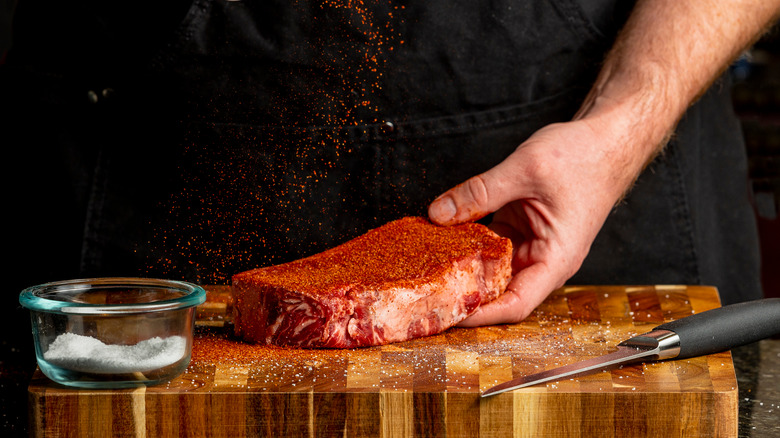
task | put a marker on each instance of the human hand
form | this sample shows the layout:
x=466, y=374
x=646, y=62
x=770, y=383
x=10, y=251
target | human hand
x=550, y=197
x=553, y=194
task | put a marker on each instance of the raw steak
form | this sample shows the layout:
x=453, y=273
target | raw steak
x=406, y=279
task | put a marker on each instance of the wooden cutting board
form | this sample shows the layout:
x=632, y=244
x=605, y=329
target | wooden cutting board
x=425, y=387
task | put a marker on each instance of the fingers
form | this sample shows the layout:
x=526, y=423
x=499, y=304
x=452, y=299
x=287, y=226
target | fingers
x=524, y=293
x=466, y=202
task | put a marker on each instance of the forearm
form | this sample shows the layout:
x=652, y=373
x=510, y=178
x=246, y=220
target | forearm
x=667, y=55
x=553, y=193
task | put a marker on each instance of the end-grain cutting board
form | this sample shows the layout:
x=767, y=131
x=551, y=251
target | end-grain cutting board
x=426, y=387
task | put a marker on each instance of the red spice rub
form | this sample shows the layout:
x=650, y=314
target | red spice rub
x=406, y=279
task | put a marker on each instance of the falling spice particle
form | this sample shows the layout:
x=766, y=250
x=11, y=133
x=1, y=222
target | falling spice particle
x=239, y=182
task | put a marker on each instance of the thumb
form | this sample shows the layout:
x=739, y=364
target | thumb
x=471, y=200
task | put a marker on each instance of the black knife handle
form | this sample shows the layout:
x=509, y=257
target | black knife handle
x=726, y=327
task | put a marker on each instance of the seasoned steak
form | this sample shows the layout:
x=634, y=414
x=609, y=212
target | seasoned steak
x=403, y=280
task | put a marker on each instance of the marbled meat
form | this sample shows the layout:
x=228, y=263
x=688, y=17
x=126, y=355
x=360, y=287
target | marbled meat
x=406, y=279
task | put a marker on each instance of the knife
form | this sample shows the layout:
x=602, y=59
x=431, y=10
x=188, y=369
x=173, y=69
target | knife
x=704, y=333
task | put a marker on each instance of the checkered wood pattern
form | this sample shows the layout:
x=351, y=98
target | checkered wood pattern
x=428, y=386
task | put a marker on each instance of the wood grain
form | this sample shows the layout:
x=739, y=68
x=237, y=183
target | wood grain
x=425, y=387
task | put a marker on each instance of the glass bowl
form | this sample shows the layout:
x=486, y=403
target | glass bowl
x=112, y=332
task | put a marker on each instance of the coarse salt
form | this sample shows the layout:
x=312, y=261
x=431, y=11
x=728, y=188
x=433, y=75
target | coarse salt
x=90, y=355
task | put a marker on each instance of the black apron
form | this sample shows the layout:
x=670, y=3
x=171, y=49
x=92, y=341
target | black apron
x=261, y=132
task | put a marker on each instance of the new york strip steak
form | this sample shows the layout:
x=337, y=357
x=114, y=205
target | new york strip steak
x=403, y=280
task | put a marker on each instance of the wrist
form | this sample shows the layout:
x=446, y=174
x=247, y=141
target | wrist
x=634, y=112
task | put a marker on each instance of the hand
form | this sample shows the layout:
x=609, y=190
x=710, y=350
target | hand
x=550, y=197
x=553, y=194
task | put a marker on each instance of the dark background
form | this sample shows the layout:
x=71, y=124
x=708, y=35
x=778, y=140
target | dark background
x=757, y=102
x=756, y=99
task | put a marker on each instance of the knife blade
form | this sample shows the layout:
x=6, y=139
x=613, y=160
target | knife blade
x=704, y=333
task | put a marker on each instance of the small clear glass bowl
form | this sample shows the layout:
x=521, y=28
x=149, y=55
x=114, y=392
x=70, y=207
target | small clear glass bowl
x=113, y=332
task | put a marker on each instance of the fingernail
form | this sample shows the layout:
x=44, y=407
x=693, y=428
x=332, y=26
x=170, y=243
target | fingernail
x=442, y=210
